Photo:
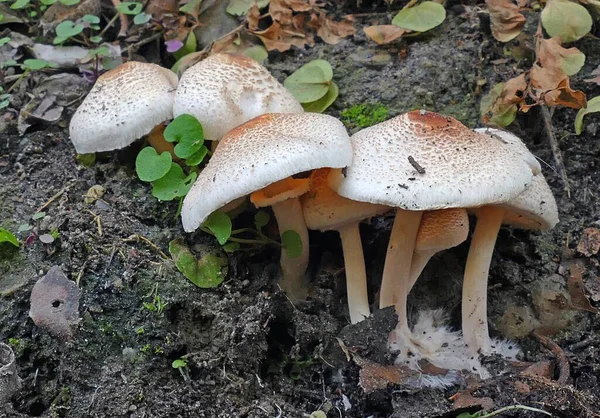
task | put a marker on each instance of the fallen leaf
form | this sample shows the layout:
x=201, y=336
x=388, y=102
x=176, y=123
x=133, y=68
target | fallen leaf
x=589, y=244
x=507, y=22
x=253, y=17
x=332, y=32
x=565, y=96
x=279, y=38
x=384, y=34
x=241, y=7
x=464, y=399
x=552, y=54
x=374, y=376
x=575, y=287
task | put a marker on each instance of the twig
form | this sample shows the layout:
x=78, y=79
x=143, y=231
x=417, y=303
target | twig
x=110, y=23
x=97, y=220
x=558, y=159
x=563, y=364
x=81, y=270
x=138, y=45
x=138, y=237
x=124, y=19
x=56, y=196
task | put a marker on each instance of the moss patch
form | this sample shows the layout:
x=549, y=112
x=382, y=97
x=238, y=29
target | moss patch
x=364, y=115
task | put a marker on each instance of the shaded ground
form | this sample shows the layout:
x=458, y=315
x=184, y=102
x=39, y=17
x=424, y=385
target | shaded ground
x=250, y=352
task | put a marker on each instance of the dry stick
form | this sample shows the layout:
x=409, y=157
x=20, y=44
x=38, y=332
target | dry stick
x=558, y=159
x=56, y=196
x=123, y=18
x=563, y=364
x=138, y=237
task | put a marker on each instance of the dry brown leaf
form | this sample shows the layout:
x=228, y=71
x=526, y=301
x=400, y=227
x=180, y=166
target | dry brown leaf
x=589, y=244
x=332, y=32
x=384, y=34
x=374, y=376
x=575, y=287
x=542, y=368
x=253, y=17
x=551, y=53
x=280, y=12
x=464, y=399
x=565, y=96
x=159, y=8
x=506, y=19
x=546, y=78
x=277, y=37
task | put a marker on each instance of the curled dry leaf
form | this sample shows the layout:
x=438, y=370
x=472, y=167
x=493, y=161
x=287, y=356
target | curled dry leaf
x=506, y=19
x=501, y=104
x=563, y=95
x=282, y=10
x=384, y=34
x=331, y=31
x=280, y=38
x=552, y=54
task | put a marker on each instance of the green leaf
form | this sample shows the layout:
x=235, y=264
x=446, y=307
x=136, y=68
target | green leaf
x=593, y=106
x=220, y=225
x=191, y=7
x=130, y=7
x=20, y=4
x=179, y=363
x=184, y=128
x=35, y=64
x=292, y=243
x=58, y=40
x=318, y=414
x=86, y=160
x=173, y=184
x=142, y=18
x=421, y=18
x=38, y=215
x=567, y=20
x=5, y=40
x=310, y=82
x=150, y=166
x=231, y=247
x=7, y=236
x=48, y=2
x=261, y=219
x=96, y=39
x=188, y=47
x=499, y=113
x=324, y=102
x=240, y=7
x=68, y=29
x=91, y=19
x=257, y=52
x=205, y=273
x=69, y=2
x=197, y=157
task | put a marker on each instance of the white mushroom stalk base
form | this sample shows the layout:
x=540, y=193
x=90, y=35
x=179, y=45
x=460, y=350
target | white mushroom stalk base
x=289, y=217
x=356, y=275
x=396, y=271
x=477, y=268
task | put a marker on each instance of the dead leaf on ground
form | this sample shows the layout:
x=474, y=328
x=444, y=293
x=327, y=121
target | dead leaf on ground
x=542, y=368
x=331, y=31
x=277, y=37
x=506, y=19
x=465, y=399
x=589, y=244
x=384, y=34
x=374, y=376
x=253, y=17
x=576, y=289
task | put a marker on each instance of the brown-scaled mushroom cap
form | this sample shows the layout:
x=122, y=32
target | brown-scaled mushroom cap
x=124, y=104
x=226, y=90
x=265, y=150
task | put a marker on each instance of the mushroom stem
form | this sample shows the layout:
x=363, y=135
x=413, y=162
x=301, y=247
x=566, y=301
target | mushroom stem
x=356, y=275
x=477, y=268
x=396, y=270
x=288, y=214
x=419, y=261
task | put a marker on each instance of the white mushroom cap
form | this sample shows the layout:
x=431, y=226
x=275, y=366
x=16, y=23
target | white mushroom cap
x=260, y=152
x=326, y=210
x=423, y=161
x=535, y=208
x=225, y=90
x=124, y=104
x=442, y=229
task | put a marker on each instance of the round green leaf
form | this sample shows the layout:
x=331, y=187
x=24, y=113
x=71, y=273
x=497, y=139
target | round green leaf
x=184, y=128
x=130, y=7
x=220, y=225
x=205, y=273
x=142, y=18
x=173, y=184
x=20, y=4
x=310, y=82
x=35, y=64
x=261, y=219
x=421, y=18
x=187, y=149
x=179, y=363
x=67, y=29
x=324, y=102
x=567, y=20
x=197, y=157
x=240, y=7
x=150, y=166
x=292, y=243
x=91, y=19
x=593, y=106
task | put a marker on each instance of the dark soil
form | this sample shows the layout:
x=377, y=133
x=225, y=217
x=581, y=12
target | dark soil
x=250, y=352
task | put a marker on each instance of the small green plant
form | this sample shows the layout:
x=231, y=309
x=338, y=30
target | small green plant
x=312, y=85
x=156, y=304
x=14, y=342
x=169, y=181
x=145, y=348
x=8, y=237
x=4, y=98
x=181, y=365
x=364, y=115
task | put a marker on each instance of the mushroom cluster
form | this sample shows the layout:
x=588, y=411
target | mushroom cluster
x=429, y=169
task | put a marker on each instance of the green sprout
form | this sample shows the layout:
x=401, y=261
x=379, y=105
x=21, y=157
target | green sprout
x=181, y=365
x=156, y=304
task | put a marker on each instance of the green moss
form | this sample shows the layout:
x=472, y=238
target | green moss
x=364, y=115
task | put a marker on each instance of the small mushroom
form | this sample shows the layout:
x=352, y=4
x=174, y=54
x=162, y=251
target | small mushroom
x=426, y=161
x=125, y=104
x=325, y=210
x=258, y=158
x=225, y=90
x=55, y=304
x=535, y=209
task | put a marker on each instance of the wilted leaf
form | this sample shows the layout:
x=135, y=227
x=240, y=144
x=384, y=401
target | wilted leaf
x=593, y=106
x=576, y=289
x=384, y=34
x=566, y=19
x=282, y=10
x=281, y=38
x=205, y=273
x=563, y=95
x=324, y=102
x=506, y=19
x=310, y=82
x=499, y=106
x=546, y=78
x=552, y=54
x=240, y=7
x=332, y=32
x=421, y=18
x=220, y=225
